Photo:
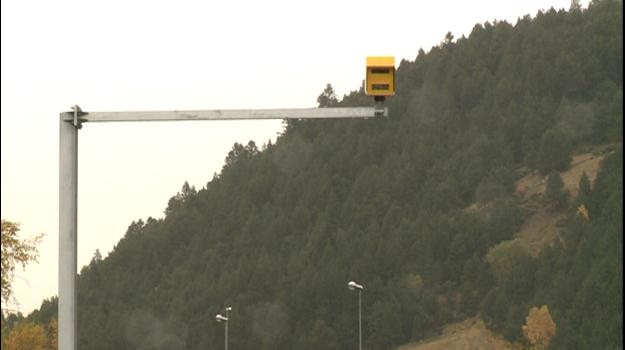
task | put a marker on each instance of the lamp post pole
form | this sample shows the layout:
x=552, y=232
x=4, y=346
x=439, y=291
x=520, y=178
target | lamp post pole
x=225, y=319
x=358, y=287
x=360, y=319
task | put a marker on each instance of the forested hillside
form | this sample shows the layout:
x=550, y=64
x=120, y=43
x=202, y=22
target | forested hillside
x=282, y=229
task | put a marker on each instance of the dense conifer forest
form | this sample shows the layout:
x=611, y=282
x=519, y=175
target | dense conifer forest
x=279, y=232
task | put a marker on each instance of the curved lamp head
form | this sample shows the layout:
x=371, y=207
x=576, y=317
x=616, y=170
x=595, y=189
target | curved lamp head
x=220, y=318
x=354, y=286
x=229, y=308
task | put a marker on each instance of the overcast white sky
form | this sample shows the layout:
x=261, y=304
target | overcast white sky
x=118, y=55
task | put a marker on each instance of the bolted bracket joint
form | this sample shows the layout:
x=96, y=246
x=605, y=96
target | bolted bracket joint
x=77, y=114
x=379, y=106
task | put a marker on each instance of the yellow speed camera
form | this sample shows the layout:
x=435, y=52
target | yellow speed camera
x=380, y=76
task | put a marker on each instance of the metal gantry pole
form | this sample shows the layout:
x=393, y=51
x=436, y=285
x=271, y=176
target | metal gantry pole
x=231, y=114
x=70, y=122
x=68, y=209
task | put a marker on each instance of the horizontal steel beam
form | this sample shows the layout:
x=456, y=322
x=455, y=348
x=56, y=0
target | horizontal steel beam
x=229, y=114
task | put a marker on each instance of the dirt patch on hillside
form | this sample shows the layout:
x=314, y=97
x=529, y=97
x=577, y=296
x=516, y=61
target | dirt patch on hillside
x=540, y=229
x=533, y=186
x=583, y=163
x=470, y=334
x=530, y=186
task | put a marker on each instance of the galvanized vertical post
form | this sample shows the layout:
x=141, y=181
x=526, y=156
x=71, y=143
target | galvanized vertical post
x=68, y=207
x=70, y=123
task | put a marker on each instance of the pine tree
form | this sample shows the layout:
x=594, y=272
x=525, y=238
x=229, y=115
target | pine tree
x=554, y=193
x=327, y=97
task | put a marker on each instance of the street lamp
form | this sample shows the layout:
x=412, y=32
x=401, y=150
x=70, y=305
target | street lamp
x=224, y=319
x=355, y=286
